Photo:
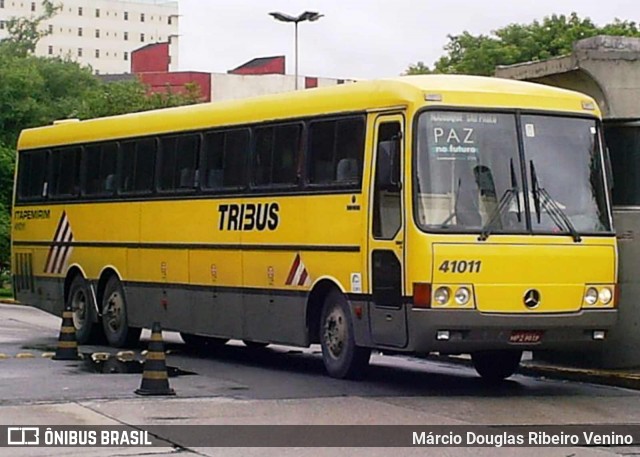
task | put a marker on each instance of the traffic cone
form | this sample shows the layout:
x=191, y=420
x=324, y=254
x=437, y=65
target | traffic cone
x=67, y=344
x=155, y=380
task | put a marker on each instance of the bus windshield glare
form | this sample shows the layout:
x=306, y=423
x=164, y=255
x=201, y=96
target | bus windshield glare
x=472, y=174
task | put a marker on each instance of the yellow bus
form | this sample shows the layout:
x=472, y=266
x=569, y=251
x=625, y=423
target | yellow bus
x=446, y=214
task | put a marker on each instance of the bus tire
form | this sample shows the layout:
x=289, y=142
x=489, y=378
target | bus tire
x=81, y=303
x=201, y=342
x=114, y=316
x=496, y=365
x=342, y=358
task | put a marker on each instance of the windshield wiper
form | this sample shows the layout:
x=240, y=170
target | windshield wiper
x=558, y=216
x=505, y=200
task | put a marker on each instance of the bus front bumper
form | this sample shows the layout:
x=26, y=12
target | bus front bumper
x=452, y=331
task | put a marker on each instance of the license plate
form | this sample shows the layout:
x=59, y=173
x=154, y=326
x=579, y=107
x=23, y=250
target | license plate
x=525, y=337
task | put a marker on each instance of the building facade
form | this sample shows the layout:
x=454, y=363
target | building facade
x=101, y=33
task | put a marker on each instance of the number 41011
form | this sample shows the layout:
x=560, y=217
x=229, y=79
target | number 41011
x=461, y=266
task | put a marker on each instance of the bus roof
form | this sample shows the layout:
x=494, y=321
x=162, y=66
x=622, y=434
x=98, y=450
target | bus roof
x=404, y=91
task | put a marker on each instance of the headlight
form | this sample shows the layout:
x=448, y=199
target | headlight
x=605, y=295
x=442, y=295
x=462, y=296
x=591, y=297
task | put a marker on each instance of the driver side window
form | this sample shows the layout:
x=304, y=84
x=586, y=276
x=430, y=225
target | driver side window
x=387, y=215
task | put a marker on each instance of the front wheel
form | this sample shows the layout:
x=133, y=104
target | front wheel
x=496, y=365
x=114, y=316
x=341, y=357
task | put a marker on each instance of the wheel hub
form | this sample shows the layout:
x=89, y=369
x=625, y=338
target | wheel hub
x=79, y=308
x=113, y=312
x=335, y=333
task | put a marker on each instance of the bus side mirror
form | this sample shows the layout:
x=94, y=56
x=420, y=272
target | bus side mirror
x=388, y=165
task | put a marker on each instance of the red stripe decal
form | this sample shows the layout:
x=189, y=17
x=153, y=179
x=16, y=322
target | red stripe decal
x=292, y=272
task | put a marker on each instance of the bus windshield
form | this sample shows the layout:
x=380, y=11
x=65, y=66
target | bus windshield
x=470, y=173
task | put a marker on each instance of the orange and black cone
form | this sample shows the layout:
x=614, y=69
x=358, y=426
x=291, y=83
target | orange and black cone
x=155, y=380
x=67, y=344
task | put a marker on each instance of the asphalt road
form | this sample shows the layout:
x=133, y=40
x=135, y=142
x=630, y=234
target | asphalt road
x=282, y=385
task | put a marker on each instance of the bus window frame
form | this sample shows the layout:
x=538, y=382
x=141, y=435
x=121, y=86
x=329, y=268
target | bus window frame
x=158, y=163
x=45, y=185
x=50, y=173
x=301, y=187
x=335, y=187
x=303, y=140
x=202, y=166
x=136, y=193
x=83, y=172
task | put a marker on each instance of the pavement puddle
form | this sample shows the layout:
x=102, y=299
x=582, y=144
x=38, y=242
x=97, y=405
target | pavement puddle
x=106, y=364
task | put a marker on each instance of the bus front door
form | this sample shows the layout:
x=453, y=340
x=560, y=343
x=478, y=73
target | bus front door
x=387, y=316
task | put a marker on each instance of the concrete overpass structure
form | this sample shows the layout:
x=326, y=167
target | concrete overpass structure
x=608, y=69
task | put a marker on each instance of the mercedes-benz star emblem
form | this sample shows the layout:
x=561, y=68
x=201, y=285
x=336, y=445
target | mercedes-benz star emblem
x=531, y=298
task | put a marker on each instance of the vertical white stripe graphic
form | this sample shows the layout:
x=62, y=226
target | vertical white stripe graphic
x=60, y=252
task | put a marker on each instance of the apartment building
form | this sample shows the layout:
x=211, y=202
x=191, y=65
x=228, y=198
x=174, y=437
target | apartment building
x=101, y=33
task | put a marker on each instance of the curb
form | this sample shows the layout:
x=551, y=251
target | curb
x=617, y=378
x=629, y=379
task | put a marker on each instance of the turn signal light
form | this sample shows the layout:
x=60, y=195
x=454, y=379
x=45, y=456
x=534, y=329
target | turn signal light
x=421, y=295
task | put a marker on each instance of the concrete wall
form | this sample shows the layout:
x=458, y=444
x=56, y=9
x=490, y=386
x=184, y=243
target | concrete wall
x=230, y=86
x=607, y=68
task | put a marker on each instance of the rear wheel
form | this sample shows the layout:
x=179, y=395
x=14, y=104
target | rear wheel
x=341, y=357
x=81, y=303
x=496, y=365
x=114, y=316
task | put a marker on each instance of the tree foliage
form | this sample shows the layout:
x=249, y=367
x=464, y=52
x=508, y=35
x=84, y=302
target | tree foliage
x=553, y=36
x=36, y=91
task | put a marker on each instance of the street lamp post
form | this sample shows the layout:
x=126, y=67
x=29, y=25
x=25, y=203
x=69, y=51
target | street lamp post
x=310, y=16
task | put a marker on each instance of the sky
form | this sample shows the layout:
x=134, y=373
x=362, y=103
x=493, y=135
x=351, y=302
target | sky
x=357, y=38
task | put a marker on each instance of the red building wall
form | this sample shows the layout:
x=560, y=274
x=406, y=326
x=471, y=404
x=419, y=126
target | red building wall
x=261, y=66
x=151, y=58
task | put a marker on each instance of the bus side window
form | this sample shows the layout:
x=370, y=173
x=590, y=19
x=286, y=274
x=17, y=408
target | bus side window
x=128, y=160
x=32, y=175
x=99, y=164
x=277, y=155
x=286, y=154
x=387, y=209
x=224, y=157
x=138, y=163
x=65, y=172
x=178, y=162
x=263, y=157
x=336, y=149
